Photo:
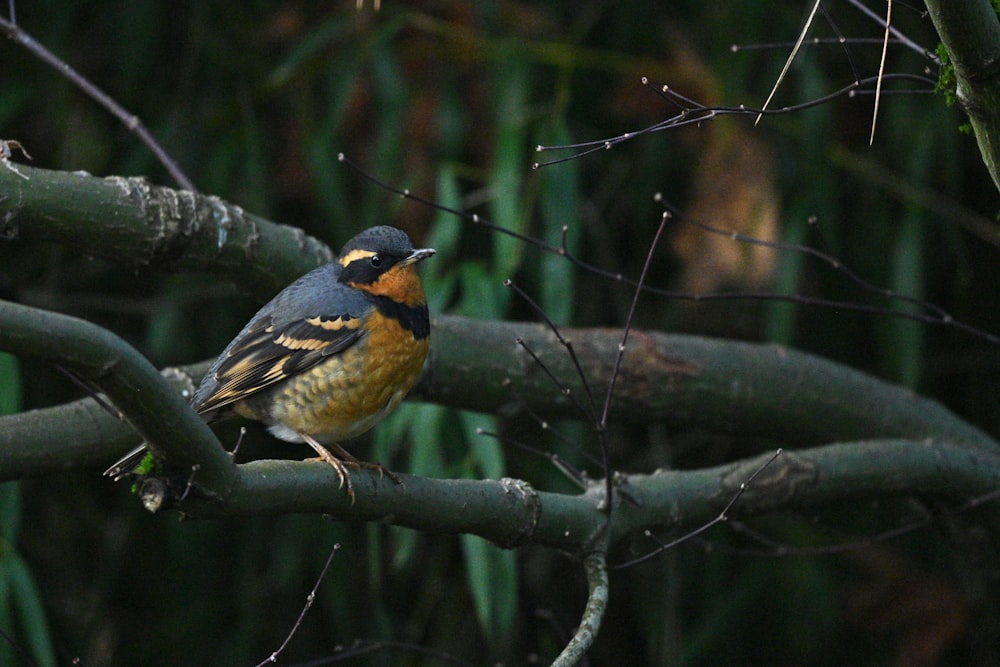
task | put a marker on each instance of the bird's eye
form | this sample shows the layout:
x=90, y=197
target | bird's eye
x=376, y=261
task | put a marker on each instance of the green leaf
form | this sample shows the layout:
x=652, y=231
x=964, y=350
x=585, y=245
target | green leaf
x=510, y=160
x=10, y=384
x=485, y=452
x=560, y=204
x=27, y=601
x=483, y=296
x=6, y=603
x=445, y=237
x=493, y=582
x=10, y=513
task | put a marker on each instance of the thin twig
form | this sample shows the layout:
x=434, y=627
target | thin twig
x=239, y=442
x=815, y=41
x=562, y=465
x=23, y=654
x=830, y=260
x=881, y=69
x=568, y=345
x=791, y=58
x=700, y=113
x=273, y=658
x=93, y=392
x=720, y=518
x=842, y=40
x=128, y=119
x=547, y=427
x=602, y=425
x=773, y=548
x=563, y=389
x=799, y=299
x=906, y=41
x=365, y=646
x=190, y=483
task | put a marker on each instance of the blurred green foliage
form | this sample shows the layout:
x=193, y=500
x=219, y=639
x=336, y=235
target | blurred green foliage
x=449, y=99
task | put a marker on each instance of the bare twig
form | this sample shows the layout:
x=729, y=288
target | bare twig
x=128, y=119
x=881, y=69
x=566, y=391
x=565, y=467
x=603, y=423
x=903, y=39
x=694, y=113
x=935, y=311
x=362, y=647
x=92, y=391
x=562, y=340
x=631, y=315
x=21, y=653
x=273, y=658
x=791, y=58
x=239, y=441
x=801, y=299
x=774, y=548
x=815, y=41
x=722, y=516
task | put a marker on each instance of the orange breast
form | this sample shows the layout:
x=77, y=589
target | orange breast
x=346, y=395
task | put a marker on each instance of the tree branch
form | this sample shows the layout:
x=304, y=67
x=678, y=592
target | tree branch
x=683, y=381
x=596, y=568
x=507, y=512
x=132, y=222
x=158, y=412
x=892, y=442
x=129, y=120
x=77, y=435
x=970, y=32
x=511, y=513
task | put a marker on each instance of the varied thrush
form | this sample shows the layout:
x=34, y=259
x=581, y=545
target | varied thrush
x=329, y=356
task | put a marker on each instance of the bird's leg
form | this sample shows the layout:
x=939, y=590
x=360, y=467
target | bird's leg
x=350, y=459
x=334, y=462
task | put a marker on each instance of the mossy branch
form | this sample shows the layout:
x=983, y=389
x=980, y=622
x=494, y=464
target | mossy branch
x=970, y=32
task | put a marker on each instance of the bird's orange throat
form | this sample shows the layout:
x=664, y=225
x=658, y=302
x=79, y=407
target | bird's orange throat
x=401, y=284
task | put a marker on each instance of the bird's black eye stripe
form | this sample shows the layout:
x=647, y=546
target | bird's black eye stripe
x=366, y=270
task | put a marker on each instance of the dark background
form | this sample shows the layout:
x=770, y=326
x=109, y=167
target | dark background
x=254, y=101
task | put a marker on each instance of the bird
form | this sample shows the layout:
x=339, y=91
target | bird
x=329, y=356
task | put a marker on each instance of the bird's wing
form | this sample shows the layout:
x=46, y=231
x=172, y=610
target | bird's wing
x=269, y=354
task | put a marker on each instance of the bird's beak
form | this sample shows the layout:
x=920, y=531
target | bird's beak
x=417, y=255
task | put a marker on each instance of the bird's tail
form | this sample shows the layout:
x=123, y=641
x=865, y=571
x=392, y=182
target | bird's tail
x=127, y=463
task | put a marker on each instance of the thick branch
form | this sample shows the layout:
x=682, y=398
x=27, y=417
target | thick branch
x=77, y=435
x=156, y=411
x=679, y=380
x=132, y=222
x=683, y=381
x=512, y=513
x=970, y=32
